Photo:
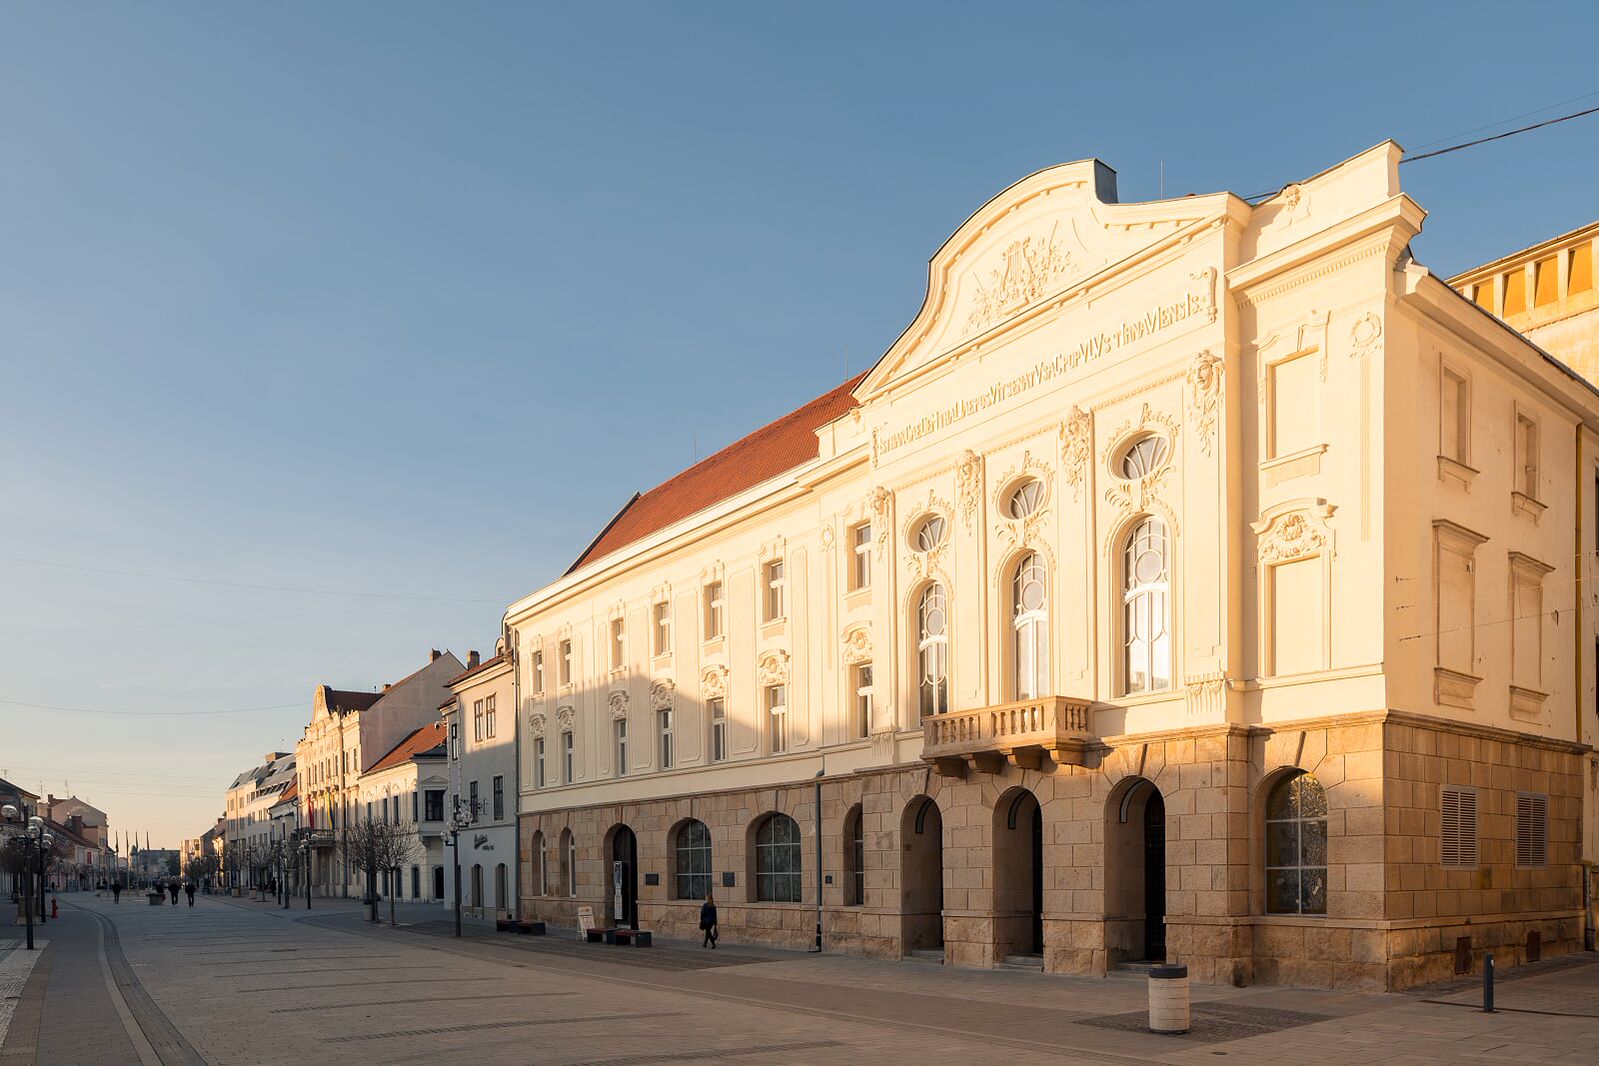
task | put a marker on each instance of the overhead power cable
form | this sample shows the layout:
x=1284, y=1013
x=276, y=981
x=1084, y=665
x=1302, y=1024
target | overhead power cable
x=147, y=714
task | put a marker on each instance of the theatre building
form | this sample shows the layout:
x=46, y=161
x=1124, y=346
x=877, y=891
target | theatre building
x=1192, y=579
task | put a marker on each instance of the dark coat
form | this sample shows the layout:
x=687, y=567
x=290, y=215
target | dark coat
x=707, y=915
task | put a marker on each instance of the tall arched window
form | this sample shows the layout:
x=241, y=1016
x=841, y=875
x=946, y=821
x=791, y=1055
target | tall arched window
x=1296, y=847
x=536, y=849
x=932, y=649
x=777, y=860
x=1030, y=626
x=1146, y=605
x=692, y=857
x=568, y=863
x=854, y=858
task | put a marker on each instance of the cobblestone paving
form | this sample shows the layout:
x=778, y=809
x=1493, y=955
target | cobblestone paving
x=239, y=982
x=16, y=964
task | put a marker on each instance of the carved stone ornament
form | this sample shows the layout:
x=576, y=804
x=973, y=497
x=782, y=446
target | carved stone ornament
x=828, y=537
x=1364, y=335
x=969, y=481
x=535, y=725
x=1207, y=695
x=1027, y=530
x=566, y=716
x=1204, y=396
x=1029, y=270
x=618, y=702
x=1142, y=495
x=882, y=502
x=1076, y=446
x=1293, y=535
x=772, y=669
x=858, y=645
x=713, y=683
x=662, y=693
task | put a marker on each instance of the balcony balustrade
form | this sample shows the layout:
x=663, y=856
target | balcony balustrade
x=1023, y=734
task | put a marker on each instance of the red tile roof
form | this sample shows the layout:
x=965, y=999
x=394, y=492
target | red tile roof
x=769, y=451
x=420, y=742
x=469, y=671
x=290, y=793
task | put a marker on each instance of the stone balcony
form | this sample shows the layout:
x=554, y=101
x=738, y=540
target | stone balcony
x=1022, y=734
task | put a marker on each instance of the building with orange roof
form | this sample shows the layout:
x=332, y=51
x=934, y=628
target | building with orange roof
x=406, y=787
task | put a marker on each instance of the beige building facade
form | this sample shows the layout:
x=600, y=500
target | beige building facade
x=480, y=722
x=1193, y=580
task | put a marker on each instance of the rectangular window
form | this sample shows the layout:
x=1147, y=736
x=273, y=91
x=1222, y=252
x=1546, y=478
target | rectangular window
x=1454, y=417
x=620, y=732
x=477, y=720
x=413, y=805
x=1532, y=829
x=775, y=589
x=663, y=628
x=566, y=662
x=369, y=817
x=1526, y=456
x=860, y=575
x=717, y=710
x=777, y=713
x=568, y=757
x=618, y=644
x=455, y=741
x=713, y=610
x=1515, y=292
x=472, y=801
x=499, y=797
x=538, y=671
x=1295, y=411
x=539, y=780
x=488, y=717
x=1458, y=826
x=1546, y=281
x=863, y=700
x=663, y=730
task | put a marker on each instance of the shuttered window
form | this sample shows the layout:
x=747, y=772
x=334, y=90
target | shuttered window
x=1532, y=829
x=1458, y=829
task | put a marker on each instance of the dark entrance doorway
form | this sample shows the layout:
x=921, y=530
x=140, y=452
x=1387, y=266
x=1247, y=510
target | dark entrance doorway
x=1038, y=879
x=1155, y=877
x=438, y=882
x=922, y=876
x=624, y=878
x=1018, y=875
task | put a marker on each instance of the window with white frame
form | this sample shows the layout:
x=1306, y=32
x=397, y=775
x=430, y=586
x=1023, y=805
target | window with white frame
x=619, y=732
x=1030, y=625
x=566, y=661
x=1146, y=594
x=568, y=757
x=455, y=741
x=777, y=716
x=488, y=717
x=538, y=671
x=776, y=591
x=932, y=649
x=860, y=574
x=663, y=733
x=539, y=778
x=717, y=712
x=863, y=699
x=618, y=644
x=713, y=610
x=663, y=628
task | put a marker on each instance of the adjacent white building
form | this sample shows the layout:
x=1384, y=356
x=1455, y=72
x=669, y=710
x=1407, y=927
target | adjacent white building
x=406, y=787
x=480, y=718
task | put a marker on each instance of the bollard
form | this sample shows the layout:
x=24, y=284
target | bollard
x=1168, y=999
x=1488, y=982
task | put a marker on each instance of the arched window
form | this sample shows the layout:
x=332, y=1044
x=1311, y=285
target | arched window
x=536, y=850
x=854, y=858
x=502, y=888
x=1143, y=458
x=1030, y=625
x=568, y=864
x=1296, y=847
x=932, y=649
x=1146, y=599
x=930, y=534
x=777, y=860
x=692, y=854
x=1025, y=498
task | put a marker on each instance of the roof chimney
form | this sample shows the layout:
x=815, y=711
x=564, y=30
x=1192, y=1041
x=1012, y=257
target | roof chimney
x=434, y=656
x=471, y=659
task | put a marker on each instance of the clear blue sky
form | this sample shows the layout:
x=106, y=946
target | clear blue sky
x=408, y=298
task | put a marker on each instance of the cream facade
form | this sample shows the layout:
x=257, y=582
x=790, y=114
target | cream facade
x=249, y=827
x=480, y=720
x=1191, y=579
x=396, y=790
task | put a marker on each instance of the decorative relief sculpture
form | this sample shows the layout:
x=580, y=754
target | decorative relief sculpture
x=662, y=694
x=858, y=645
x=1076, y=445
x=1029, y=270
x=1204, y=395
x=882, y=504
x=535, y=725
x=772, y=669
x=1292, y=536
x=828, y=537
x=618, y=702
x=969, y=479
x=1364, y=335
x=1207, y=695
x=566, y=715
x=713, y=683
x=1141, y=494
x=1022, y=513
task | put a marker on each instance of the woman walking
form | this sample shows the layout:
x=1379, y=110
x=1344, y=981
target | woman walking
x=708, y=921
x=188, y=887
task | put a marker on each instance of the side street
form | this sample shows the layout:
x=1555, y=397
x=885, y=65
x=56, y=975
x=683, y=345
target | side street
x=236, y=981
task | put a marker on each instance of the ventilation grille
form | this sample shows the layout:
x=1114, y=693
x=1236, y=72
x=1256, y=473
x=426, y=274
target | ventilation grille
x=1458, y=829
x=1532, y=829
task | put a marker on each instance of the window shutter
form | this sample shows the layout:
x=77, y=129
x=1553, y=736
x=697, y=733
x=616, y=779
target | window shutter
x=1532, y=829
x=1458, y=826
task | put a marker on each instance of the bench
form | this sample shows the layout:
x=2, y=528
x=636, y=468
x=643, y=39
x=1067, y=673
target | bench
x=595, y=936
x=633, y=937
x=530, y=928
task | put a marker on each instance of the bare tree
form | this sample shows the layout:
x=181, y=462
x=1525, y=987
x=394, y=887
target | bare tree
x=397, y=847
x=361, y=850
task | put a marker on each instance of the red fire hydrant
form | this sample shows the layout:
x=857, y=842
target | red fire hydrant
x=54, y=910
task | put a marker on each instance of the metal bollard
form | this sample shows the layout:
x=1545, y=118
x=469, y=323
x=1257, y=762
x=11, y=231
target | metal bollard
x=1488, y=982
x=1168, y=999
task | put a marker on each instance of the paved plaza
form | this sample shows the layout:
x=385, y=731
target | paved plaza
x=235, y=981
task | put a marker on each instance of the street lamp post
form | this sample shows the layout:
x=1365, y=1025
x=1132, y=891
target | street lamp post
x=34, y=841
x=462, y=817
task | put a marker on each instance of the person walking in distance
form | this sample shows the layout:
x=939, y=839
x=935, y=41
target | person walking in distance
x=172, y=887
x=116, y=891
x=708, y=921
x=188, y=887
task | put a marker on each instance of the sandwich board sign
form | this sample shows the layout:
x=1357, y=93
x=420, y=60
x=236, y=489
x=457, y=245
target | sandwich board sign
x=585, y=919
